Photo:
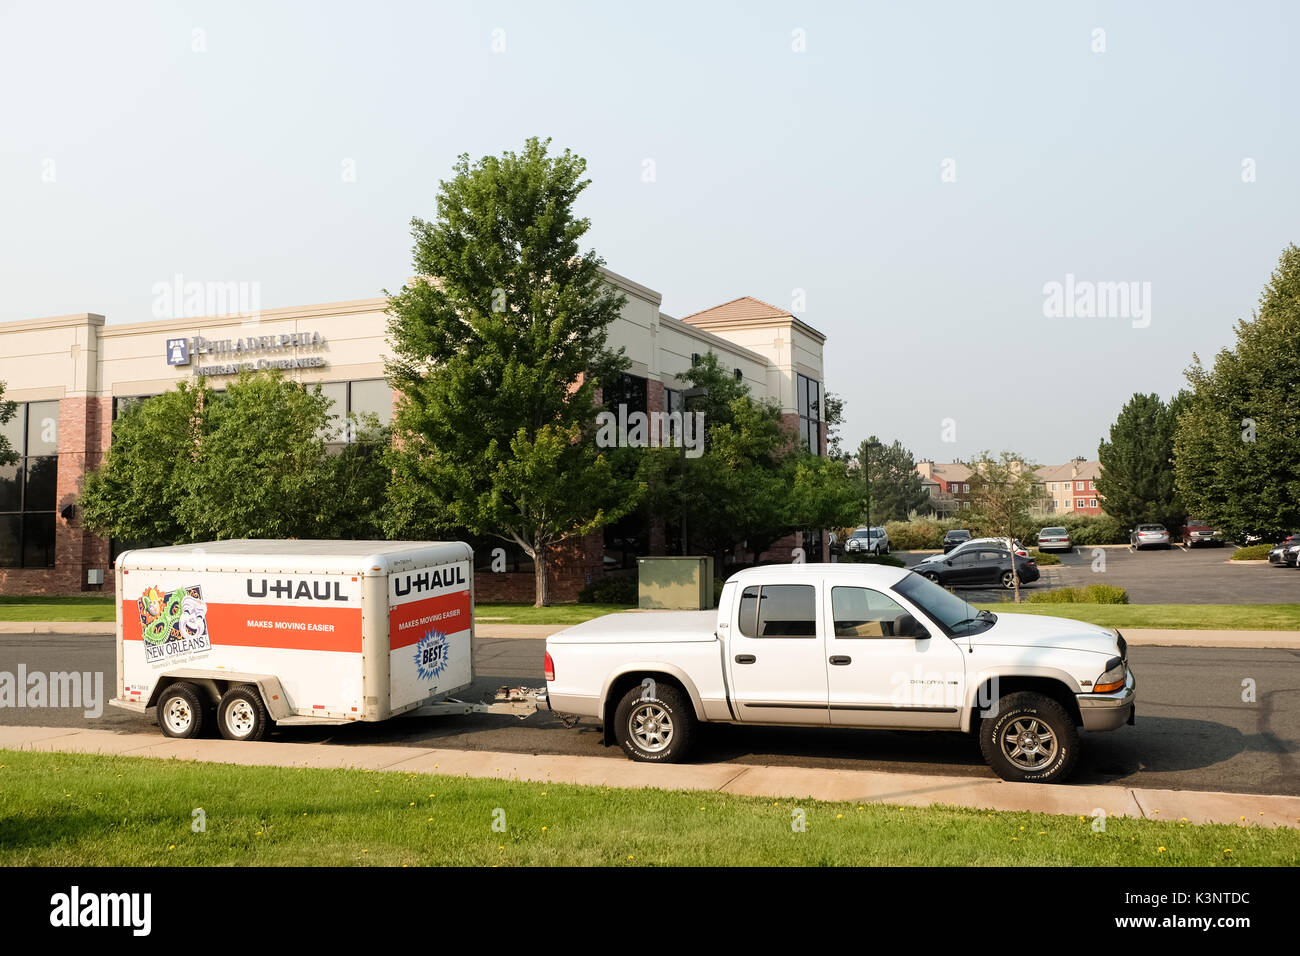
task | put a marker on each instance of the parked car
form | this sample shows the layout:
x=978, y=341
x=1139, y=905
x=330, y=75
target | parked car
x=904, y=654
x=1195, y=531
x=868, y=541
x=1149, y=536
x=980, y=566
x=1019, y=548
x=1291, y=555
x=1054, y=539
x=1279, y=554
x=954, y=539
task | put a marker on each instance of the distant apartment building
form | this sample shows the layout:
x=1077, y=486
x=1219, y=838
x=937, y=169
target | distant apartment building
x=947, y=487
x=1071, y=487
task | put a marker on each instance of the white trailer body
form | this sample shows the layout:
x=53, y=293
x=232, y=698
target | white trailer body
x=328, y=631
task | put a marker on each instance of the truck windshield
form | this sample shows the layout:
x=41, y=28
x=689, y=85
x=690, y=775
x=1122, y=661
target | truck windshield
x=949, y=611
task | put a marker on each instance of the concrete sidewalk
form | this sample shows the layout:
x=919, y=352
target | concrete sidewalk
x=1153, y=637
x=861, y=786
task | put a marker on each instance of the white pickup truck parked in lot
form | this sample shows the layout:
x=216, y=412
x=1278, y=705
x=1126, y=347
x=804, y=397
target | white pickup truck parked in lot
x=835, y=645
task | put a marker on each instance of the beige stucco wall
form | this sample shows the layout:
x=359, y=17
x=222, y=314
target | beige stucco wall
x=80, y=355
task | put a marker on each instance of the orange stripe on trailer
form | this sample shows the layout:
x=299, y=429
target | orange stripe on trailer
x=408, y=623
x=273, y=626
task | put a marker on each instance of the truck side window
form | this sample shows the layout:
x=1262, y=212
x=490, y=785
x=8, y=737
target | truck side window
x=862, y=612
x=749, y=611
x=784, y=610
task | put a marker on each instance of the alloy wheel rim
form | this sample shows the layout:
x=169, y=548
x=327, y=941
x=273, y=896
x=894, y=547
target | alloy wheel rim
x=652, y=727
x=1029, y=744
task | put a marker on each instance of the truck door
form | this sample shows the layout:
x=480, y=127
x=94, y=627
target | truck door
x=776, y=655
x=879, y=674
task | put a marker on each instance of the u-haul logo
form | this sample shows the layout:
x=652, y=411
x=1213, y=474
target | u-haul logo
x=421, y=581
x=291, y=590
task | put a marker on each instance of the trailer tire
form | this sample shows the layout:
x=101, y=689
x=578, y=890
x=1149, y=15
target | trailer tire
x=181, y=709
x=241, y=715
x=655, y=723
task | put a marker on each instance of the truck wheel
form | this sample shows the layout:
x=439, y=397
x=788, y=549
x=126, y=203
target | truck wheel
x=1030, y=739
x=658, y=727
x=180, y=711
x=241, y=714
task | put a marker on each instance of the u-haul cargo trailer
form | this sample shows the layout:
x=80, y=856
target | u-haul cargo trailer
x=247, y=633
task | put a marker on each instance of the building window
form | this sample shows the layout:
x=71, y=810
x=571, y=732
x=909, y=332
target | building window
x=1078, y=502
x=28, y=487
x=1093, y=503
x=810, y=413
x=370, y=396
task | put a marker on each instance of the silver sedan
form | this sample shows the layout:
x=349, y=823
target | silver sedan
x=1149, y=536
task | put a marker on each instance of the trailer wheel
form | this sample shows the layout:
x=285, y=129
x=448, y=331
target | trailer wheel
x=655, y=723
x=180, y=711
x=241, y=714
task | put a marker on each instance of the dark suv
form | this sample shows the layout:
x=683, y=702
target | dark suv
x=954, y=538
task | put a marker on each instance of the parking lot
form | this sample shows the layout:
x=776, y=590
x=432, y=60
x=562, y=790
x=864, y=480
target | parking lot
x=1176, y=576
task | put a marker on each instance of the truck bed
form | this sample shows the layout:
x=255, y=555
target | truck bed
x=642, y=627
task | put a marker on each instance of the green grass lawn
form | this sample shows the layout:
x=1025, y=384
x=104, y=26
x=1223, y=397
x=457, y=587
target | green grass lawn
x=90, y=810
x=1199, y=617
x=555, y=614
x=90, y=607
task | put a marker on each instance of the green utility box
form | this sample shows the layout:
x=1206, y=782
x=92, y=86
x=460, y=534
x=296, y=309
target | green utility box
x=682, y=583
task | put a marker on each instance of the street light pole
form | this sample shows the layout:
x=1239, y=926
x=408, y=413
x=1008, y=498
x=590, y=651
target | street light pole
x=699, y=391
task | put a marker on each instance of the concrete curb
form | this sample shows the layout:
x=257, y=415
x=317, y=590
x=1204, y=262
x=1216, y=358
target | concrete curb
x=58, y=627
x=860, y=786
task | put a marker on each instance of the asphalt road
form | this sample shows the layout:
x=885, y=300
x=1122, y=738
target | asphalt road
x=1176, y=576
x=1193, y=729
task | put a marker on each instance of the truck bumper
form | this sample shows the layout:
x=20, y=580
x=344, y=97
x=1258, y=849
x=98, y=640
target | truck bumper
x=1109, y=711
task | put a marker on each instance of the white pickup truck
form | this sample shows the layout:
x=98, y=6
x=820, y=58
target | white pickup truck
x=846, y=645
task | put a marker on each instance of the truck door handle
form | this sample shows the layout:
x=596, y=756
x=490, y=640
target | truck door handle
x=841, y=659
x=745, y=658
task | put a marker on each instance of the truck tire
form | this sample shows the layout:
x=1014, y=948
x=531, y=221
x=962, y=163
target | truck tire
x=655, y=728
x=180, y=711
x=241, y=715
x=1030, y=739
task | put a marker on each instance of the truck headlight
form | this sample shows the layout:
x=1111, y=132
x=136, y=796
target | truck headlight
x=1112, y=678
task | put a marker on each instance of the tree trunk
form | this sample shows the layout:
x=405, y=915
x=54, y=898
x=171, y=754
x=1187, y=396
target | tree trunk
x=541, y=577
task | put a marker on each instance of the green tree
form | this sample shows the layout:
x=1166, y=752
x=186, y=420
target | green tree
x=499, y=350
x=195, y=465
x=754, y=484
x=1003, y=490
x=895, y=488
x=7, y=410
x=1137, y=471
x=1237, y=434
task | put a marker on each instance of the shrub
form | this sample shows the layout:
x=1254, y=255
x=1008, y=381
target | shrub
x=919, y=535
x=611, y=590
x=1043, y=558
x=1252, y=552
x=1092, y=594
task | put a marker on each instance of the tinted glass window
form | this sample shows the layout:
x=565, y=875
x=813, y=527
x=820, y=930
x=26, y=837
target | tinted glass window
x=14, y=429
x=38, y=541
x=785, y=610
x=862, y=612
x=11, y=487
x=373, y=397
x=42, y=474
x=11, y=527
x=749, y=612
x=43, y=428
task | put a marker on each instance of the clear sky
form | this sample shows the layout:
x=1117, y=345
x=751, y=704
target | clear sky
x=920, y=170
